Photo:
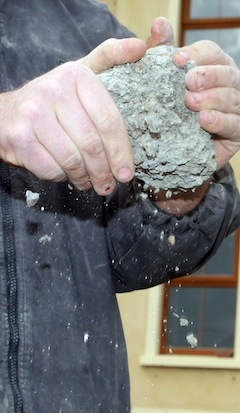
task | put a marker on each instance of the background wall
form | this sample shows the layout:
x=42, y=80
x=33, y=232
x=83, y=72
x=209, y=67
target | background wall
x=138, y=15
x=167, y=389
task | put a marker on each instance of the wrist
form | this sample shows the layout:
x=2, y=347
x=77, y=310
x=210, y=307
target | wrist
x=180, y=203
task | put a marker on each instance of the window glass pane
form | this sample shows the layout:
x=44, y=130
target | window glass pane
x=202, y=9
x=201, y=318
x=227, y=39
x=219, y=317
x=222, y=263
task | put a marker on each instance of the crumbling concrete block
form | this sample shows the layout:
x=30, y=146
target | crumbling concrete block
x=171, y=150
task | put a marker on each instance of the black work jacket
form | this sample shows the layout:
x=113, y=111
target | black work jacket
x=62, y=260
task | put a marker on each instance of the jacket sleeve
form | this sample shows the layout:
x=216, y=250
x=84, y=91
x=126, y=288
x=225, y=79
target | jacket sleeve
x=148, y=247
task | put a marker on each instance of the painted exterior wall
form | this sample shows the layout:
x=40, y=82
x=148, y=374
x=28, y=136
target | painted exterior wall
x=165, y=389
x=172, y=390
x=138, y=15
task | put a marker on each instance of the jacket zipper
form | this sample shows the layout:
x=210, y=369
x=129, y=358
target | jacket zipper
x=9, y=250
x=8, y=226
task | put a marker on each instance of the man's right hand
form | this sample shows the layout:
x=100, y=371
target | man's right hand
x=65, y=125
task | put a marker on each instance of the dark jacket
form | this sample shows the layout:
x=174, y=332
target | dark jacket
x=62, y=348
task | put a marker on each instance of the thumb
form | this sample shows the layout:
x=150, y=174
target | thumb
x=114, y=52
x=161, y=33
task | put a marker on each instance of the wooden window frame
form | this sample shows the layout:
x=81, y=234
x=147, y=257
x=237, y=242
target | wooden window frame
x=198, y=281
x=196, y=24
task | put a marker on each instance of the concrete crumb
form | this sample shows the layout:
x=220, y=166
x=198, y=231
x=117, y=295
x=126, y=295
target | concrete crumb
x=192, y=340
x=171, y=150
x=44, y=239
x=143, y=195
x=183, y=322
x=31, y=198
x=172, y=239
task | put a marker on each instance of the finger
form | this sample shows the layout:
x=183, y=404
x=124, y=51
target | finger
x=114, y=52
x=161, y=33
x=223, y=99
x=109, y=124
x=43, y=165
x=92, y=162
x=51, y=135
x=203, y=52
x=224, y=151
x=225, y=129
x=205, y=77
x=61, y=147
x=223, y=124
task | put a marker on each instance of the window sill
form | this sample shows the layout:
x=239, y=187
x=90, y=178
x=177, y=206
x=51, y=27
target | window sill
x=208, y=362
x=151, y=356
x=139, y=410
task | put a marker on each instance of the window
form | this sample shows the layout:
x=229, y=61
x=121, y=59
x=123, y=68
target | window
x=217, y=20
x=199, y=310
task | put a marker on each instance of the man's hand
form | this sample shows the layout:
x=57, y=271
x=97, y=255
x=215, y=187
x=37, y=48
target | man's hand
x=214, y=91
x=65, y=125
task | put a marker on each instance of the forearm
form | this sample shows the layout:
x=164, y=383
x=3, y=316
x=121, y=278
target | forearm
x=148, y=246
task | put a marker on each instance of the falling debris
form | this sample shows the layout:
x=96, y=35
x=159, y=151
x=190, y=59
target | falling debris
x=86, y=337
x=143, y=195
x=192, y=340
x=31, y=198
x=46, y=238
x=162, y=235
x=172, y=240
x=183, y=321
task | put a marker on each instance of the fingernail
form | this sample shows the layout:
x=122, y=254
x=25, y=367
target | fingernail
x=106, y=189
x=184, y=53
x=125, y=174
x=211, y=118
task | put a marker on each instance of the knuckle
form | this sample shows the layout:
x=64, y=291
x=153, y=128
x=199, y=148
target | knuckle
x=109, y=123
x=49, y=86
x=20, y=138
x=101, y=176
x=93, y=146
x=30, y=111
x=236, y=101
x=57, y=84
x=68, y=70
x=19, y=146
x=75, y=170
x=55, y=174
x=73, y=163
x=71, y=72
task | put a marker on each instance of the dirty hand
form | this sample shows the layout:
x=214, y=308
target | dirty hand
x=65, y=125
x=214, y=91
